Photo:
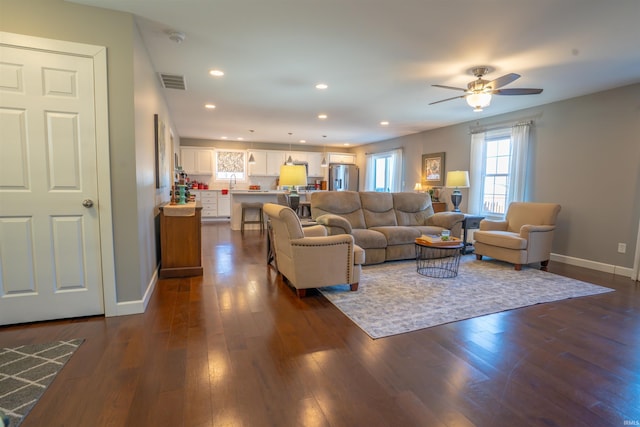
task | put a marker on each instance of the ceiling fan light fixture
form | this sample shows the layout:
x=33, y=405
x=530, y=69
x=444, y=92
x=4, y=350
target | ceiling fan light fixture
x=479, y=100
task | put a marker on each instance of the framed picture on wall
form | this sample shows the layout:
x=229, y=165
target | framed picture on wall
x=163, y=157
x=433, y=169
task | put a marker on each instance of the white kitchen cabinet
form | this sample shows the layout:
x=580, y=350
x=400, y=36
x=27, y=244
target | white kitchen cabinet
x=267, y=163
x=197, y=161
x=224, y=204
x=259, y=168
x=315, y=168
x=275, y=159
x=209, y=200
x=342, y=158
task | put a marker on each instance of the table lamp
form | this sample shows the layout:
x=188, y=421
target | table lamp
x=293, y=176
x=457, y=180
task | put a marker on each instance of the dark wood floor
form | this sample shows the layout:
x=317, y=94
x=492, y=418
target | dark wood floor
x=238, y=348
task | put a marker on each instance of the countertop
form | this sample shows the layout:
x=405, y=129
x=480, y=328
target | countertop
x=270, y=191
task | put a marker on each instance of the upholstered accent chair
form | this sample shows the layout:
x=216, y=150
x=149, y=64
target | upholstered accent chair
x=309, y=258
x=524, y=237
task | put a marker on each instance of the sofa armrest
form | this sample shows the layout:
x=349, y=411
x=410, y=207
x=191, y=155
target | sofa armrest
x=335, y=224
x=490, y=225
x=539, y=241
x=446, y=220
x=314, y=231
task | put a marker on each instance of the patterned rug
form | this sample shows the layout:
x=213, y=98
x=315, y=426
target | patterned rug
x=393, y=298
x=25, y=373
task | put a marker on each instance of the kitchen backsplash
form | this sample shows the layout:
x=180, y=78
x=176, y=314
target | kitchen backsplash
x=265, y=182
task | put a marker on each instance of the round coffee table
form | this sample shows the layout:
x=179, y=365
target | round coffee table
x=438, y=260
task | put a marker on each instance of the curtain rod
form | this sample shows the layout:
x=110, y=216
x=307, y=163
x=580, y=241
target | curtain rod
x=389, y=149
x=502, y=125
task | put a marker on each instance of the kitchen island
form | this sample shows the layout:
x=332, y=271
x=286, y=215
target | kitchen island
x=256, y=196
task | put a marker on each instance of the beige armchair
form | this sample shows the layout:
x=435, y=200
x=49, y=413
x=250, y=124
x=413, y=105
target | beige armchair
x=524, y=237
x=307, y=257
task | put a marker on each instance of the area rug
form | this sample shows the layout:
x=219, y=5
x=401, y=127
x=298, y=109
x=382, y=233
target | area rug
x=27, y=371
x=393, y=298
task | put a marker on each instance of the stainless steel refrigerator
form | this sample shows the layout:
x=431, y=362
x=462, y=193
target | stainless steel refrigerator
x=343, y=177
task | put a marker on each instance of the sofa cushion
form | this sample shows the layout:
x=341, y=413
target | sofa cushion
x=368, y=239
x=433, y=230
x=378, y=209
x=503, y=239
x=397, y=235
x=412, y=208
x=342, y=203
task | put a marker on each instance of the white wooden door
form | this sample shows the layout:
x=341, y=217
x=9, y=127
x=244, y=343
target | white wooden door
x=50, y=260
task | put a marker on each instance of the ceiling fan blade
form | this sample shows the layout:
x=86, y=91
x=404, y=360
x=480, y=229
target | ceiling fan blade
x=503, y=81
x=448, y=99
x=520, y=91
x=450, y=87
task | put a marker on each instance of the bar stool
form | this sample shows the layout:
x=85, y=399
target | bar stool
x=252, y=206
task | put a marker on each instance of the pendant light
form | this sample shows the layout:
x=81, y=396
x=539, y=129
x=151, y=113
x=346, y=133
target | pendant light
x=252, y=160
x=324, y=164
x=290, y=159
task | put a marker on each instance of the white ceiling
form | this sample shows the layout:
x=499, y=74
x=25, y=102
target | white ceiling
x=379, y=58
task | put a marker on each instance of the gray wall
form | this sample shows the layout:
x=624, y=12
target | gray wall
x=133, y=199
x=586, y=156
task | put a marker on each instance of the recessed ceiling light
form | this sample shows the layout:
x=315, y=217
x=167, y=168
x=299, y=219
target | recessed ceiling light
x=346, y=144
x=322, y=116
x=384, y=123
x=322, y=86
x=223, y=137
x=209, y=106
x=302, y=141
x=240, y=138
x=216, y=73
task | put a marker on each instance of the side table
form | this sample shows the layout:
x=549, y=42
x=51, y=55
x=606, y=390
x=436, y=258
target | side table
x=470, y=222
x=439, y=261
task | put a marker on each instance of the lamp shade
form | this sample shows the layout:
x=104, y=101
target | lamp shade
x=418, y=187
x=293, y=175
x=458, y=179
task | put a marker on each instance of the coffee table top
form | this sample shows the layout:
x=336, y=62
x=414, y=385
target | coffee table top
x=437, y=242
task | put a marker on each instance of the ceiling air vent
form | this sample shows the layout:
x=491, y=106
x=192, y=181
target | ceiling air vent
x=172, y=81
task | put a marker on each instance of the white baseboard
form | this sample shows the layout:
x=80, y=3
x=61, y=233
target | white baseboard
x=138, y=306
x=593, y=265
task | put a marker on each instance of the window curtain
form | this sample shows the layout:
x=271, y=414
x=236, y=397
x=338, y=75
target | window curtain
x=476, y=170
x=396, y=170
x=519, y=162
x=368, y=173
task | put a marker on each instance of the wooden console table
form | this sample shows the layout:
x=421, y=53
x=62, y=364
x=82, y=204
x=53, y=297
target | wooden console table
x=180, y=240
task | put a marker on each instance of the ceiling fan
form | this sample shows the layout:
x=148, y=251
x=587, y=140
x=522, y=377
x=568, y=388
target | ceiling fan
x=478, y=92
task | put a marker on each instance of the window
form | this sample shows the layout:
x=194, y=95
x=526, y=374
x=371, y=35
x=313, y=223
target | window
x=384, y=171
x=230, y=165
x=498, y=171
x=496, y=176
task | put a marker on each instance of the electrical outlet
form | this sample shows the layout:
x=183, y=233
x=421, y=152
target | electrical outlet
x=622, y=248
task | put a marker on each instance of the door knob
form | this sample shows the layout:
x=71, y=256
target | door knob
x=87, y=203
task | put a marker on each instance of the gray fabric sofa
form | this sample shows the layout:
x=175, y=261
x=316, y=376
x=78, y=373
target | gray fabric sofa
x=385, y=225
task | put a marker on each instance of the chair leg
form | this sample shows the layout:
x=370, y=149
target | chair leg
x=261, y=221
x=354, y=286
x=544, y=265
x=518, y=267
x=479, y=257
